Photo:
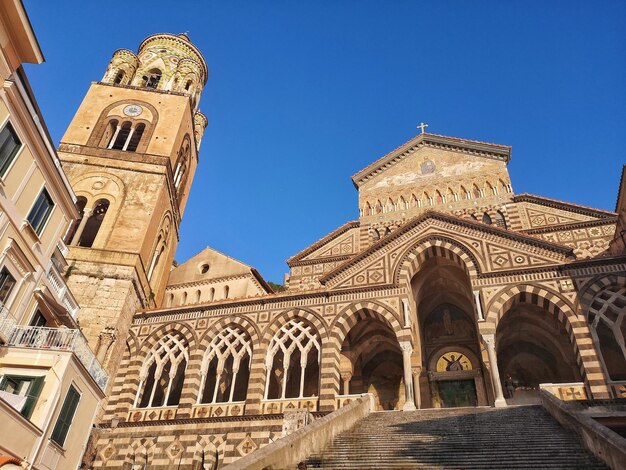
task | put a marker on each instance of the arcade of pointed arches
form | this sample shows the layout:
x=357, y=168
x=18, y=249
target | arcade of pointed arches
x=534, y=344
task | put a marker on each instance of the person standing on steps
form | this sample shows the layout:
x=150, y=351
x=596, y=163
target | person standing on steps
x=509, y=385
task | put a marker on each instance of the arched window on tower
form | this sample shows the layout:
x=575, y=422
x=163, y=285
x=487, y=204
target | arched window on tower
x=390, y=206
x=226, y=367
x=118, y=141
x=81, y=202
x=489, y=190
x=476, y=192
x=152, y=78
x=119, y=77
x=198, y=295
x=226, y=291
x=135, y=138
x=414, y=201
x=292, y=362
x=486, y=219
x=160, y=247
x=500, y=220
x=212, y=294
x=188, y=85
x=184, y=299
x=94, y=222
x=170, y=300
x=163, y=372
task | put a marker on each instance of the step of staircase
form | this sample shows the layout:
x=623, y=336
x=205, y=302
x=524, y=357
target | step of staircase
x=460, y=438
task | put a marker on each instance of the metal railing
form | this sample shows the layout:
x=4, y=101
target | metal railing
x=60, y=339
x=7, y=323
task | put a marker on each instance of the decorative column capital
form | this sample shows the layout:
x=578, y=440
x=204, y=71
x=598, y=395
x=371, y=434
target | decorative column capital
x=489, y=339
x=406, y=346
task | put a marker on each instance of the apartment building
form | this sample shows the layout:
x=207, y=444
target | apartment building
x=50, y=381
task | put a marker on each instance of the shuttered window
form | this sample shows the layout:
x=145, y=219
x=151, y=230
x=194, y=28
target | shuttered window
x=64, y=421
x=29, y=387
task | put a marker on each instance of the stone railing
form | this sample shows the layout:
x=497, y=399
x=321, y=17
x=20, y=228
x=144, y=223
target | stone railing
x=60, y=289
x=60, y=339
x=277, y=406
x=288, y=451
x=7, y=323
x=566, y=391
x=605, y=444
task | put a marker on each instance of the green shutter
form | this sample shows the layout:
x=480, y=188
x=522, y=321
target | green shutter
x=64, y=421
x=32, y=395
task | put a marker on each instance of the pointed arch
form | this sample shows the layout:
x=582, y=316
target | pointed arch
x=162, y=374
x=367, y=209
x=499, y=219
x=407, y=264
x=415, y=202
x=402, y=205
x=293, y=361
x=486, y=219
x=225, y=368
x=489, y=189
x=438, y=197
x=450, y=195
x=464, y=193
x=563, y=311
x=390, y=207
x=476, y=192
x=378, y=207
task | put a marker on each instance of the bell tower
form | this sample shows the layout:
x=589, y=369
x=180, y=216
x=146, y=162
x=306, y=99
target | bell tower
x=130, y=154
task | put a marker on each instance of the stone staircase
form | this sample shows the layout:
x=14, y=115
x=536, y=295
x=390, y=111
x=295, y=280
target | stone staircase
x=460, y=438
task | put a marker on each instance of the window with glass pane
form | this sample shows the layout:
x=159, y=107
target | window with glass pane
x=41, y=211
x=21, y=386
x=7, y=282
x=64, y=421
x=39, y=320
x=9, y=145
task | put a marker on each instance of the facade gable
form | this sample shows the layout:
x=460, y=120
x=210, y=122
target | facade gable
x=486, y=250
x=433, y=171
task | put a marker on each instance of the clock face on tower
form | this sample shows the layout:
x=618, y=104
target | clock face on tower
x=133, y=110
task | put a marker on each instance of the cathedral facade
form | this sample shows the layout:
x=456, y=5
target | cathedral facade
x=449, y=290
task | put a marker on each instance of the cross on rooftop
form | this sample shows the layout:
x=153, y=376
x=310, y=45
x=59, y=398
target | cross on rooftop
x=422, y=126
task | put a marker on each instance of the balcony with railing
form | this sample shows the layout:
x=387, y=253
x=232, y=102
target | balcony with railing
x=7, y=323
x=59, y=339
x=61, y=292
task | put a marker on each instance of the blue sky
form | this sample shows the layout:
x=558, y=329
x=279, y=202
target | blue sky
x=301, y=95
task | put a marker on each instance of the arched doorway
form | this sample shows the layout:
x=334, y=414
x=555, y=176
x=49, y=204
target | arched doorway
x=451, y=367
x=533, y=348
x=371, y=362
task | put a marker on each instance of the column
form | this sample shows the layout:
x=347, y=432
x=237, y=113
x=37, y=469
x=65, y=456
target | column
x=130, y=134
x=407, y=349
x=346, y=377
x=107, y=337
x=81, y=226
x=490, y=342
x=117, y=131
x=479, y=308
x=417, y=371
x=406, y=313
